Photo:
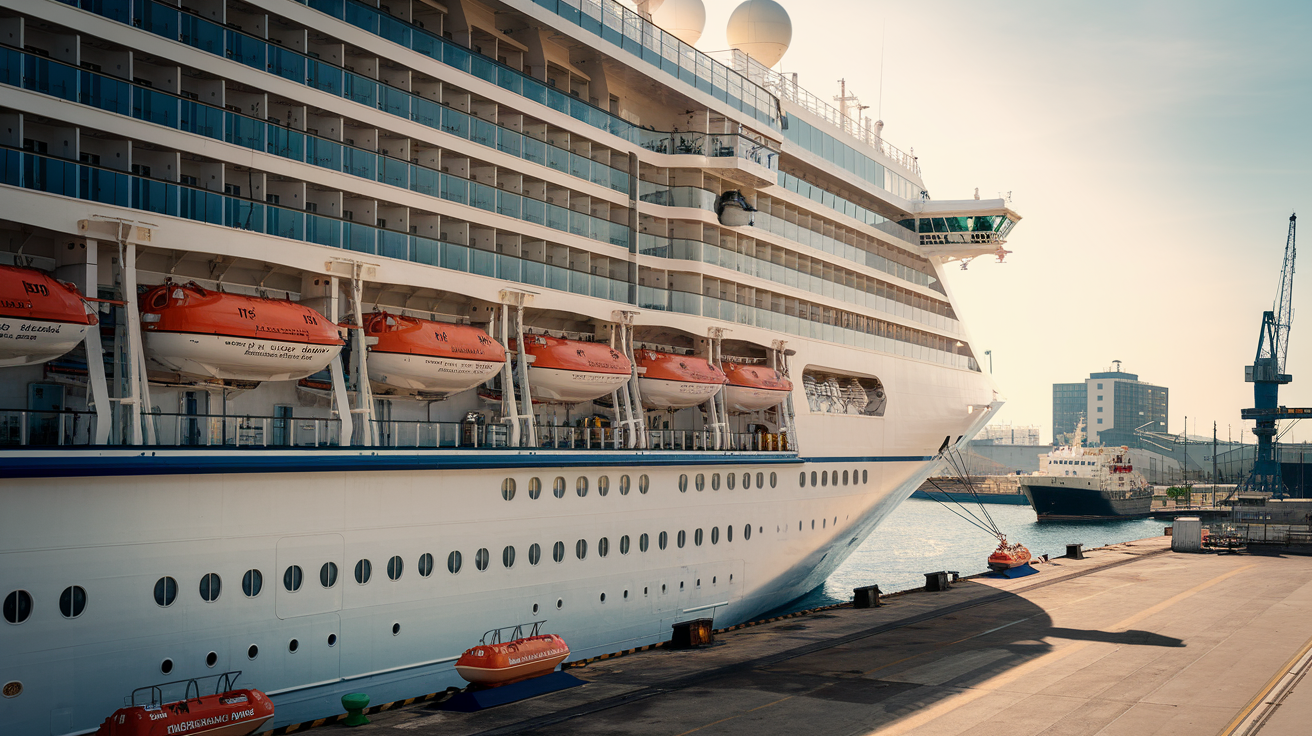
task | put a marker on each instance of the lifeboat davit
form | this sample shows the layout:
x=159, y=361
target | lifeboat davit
x=676, y=381
x=231, y=713
x=1007, y=556
x=192, y=330
x=426, y=357
x=41, y=318
x=502, y=664
x=571, y=371
x=754, y=387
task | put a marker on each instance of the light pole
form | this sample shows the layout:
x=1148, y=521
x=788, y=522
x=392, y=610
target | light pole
x=990, y=354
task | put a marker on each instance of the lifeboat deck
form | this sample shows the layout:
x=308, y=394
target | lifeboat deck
x=1133, y=639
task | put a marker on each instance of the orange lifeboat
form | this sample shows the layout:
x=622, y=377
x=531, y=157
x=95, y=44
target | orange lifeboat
x=422, y=356
x=41, y=318
x=231, y=713
x=1007, y=556
x=192, y=330
x=571, y=371
x=754, y=387
x=676, y=381
x=521, y=659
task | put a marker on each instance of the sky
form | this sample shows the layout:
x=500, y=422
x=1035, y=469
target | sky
x=1154, y=149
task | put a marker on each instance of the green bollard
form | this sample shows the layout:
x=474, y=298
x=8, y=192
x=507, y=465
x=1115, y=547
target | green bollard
x=355, y=703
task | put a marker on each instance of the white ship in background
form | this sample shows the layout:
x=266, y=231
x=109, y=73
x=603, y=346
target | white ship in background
x=408, y=320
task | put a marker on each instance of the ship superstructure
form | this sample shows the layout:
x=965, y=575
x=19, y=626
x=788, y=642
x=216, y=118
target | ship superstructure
x=401, y=319
x=1075, y=482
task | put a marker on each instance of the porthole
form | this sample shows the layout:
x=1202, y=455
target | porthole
x=662, y=588
x=699, y=583
x=18, y=606
x=728, y=534
x=508, y=557
x=252, y=652
x=747, y=481
x=603, y=547
x=558, y=551
x=680, y=585
x=801, y=479
x=395, y=567
x=396, y=629
x=166, y=666
x=643, y=483
x=534, y=554
x=328, y=574
x=833, y=477
x=774, y=479
x=603, y=597
x=683, y=538
x=824, y=479
x=747, y=532
x=560, y=603
x=663, y=540
x=715, y=481
x=166, y=591
x=865, y=477
x=603, y=485
x=814, y=483
x=332, y=640
x=453, y=563
x=581, y=486
x=624, y=485
x=252, y=583
x=844, y=477
x=73, y=601
x=760, y=480
x=534, y=488
x=701, y=482
x=731, y=481
x=292, y=577
x=558, y=487
x=813, y=525
x=624, y=544
x=581, y=549
x=715, y=535
x=626, y=595
x=425, y=565
x=642, y=543
x=364, y=569
x=535, y=609
x=211, y=659
x=683, y=483
x=799, y=525
x=856, y=476
x=508, y=488
x=12, y=689
x=713, y=579
x=481, y=558
x=697, y=538
x=824, y=523
x=644, y=590
x=293, y=645
x=210, y=586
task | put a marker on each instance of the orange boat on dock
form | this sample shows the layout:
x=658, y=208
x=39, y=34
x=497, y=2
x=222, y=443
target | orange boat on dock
x=1007, y=556
x=229, y=713
x=501, y=664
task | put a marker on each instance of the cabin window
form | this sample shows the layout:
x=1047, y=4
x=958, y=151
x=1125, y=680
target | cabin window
x=760, y=480
x=332, y=640
x=364, y=569
x=824, y=479
x=683, y=538
x=663, y=540
x=747, y=532
x=603, y=547
x=210, y=585
x=865, y=477
x=425, y=565
x=291, y=579
x=252, y=583
x=166, y=666
x=642, y=543
x=508, y=488
x=813, y=480
x=728, y=534
x=581, y=486
x=844, y=477
x=731, y=480
x=508, y=557
x=683, y=483
x=166, y=591
x=558, y=552
x=581, y=549
x=252, y=652
x=697, y=538
x=801, y=479
x=701, y=482
x=211, y=659
x=328, y=574
x=747, y=481
x=558, y=487
x=73, y=601
x=395, y=567
x=603, y=597
x=715, y=481
x=643, y=483
x=603, y=485
x=624, y=485
x=624, y=544
x=453, y=562
x=396, y=629
x=481, y=558
x=534, y=488
x=715, y=535
x=774, y=479
x=534, y=554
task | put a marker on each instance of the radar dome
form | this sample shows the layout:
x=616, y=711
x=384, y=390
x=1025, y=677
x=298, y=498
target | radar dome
x=761, y=29
x=686, y=19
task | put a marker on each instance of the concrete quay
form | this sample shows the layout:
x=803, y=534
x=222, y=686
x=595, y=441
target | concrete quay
x=1133, y=640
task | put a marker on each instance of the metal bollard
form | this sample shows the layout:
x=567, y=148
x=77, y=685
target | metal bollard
x=1075, y=551
x=936, y=581
x=355, y=703
x=866, y=597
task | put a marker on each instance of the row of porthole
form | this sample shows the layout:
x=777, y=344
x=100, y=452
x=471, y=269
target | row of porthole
x=253, y=651
x=830, y=477
x=508, y=486
x=482, y=558
x=18, y=605
x=560, y=602
x=730, y=479
x=252, y=582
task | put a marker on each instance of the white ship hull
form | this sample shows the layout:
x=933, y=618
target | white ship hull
x=25, y=341
x=426, y=373
x=571, y=387
x=666, y=394
x=748, y=399
x=238, y=358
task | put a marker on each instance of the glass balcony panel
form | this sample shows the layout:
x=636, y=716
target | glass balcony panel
x=482, y=196
x=393, y=244
x=425, y=250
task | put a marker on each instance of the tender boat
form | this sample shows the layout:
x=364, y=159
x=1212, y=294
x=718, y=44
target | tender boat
x=672, y=381
x=229, y=713
x=207, y=333
x=424, y=357
x=513, y=661
x=1007, y=556
x=733, y=209
x=754, y=387
x=571, y=371
x=41, y=318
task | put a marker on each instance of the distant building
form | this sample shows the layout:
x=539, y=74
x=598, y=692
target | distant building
x=1006, y=434
x=1113, y=403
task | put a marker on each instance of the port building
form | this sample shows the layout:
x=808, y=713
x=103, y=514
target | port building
x=1114, y=404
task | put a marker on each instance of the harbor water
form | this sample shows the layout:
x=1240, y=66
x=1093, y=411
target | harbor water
x=924, y=536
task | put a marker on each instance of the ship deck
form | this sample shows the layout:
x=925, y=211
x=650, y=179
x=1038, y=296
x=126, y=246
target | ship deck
x=1134, y=639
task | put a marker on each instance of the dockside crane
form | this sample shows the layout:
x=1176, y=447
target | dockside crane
x=1267, y=374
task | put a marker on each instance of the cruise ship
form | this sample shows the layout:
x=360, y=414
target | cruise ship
x=336, y=333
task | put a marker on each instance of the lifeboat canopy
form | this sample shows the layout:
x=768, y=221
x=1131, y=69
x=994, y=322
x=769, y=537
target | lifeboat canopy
x=754, y=387
x=672, y=381
x=427, y=358
x=41, y=317
x=513, y=661
x=573, y=371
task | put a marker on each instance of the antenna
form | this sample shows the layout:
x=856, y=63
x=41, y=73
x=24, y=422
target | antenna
x=883, y=29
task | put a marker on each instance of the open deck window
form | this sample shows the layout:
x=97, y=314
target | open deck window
x=830, y=392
